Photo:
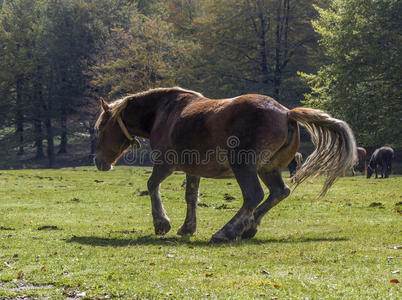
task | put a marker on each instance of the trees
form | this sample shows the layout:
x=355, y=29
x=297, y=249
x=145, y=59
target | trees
x=18, y=31
x=70, y=34
x=47, y=48
x=143, y=55
x=255, y=46
x=362, y=80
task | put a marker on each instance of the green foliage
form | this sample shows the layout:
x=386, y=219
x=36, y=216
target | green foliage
x=47, y=48
x=254, y=46
x=104, y=242
x=146, y=55
x=18, y=30
x=109, y=14
x=362, y=79
x=69, y=39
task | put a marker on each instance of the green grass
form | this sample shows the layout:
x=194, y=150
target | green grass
x=104, y=244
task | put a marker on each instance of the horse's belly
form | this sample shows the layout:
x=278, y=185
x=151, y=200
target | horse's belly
x=218, y=171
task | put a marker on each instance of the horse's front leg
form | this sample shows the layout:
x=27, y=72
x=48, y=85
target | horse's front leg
x=253, y=194
x=190, y=224
x=160, y=218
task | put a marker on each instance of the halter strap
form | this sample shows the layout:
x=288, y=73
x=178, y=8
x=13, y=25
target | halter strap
x=133, y=140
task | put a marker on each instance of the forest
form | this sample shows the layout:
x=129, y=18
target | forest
x=58, y=57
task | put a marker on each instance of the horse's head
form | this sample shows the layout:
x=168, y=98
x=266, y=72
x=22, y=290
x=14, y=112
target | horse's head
x=111, y=140
x=369, y=172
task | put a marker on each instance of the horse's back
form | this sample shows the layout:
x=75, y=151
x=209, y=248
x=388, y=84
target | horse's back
x=384, y=152
x=386, y=155
x=361, y=151
x=247, y=117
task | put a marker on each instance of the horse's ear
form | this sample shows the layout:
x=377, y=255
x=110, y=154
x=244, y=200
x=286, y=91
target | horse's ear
x=104, y=104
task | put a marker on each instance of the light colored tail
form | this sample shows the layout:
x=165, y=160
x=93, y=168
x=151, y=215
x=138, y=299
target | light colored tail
x=335, y=150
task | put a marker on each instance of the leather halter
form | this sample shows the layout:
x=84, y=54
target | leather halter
x=133, y=139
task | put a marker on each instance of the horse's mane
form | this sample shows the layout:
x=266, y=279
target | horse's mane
x=117, y=106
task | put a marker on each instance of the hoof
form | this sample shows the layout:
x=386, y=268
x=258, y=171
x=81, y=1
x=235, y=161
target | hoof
x=186, y=230
x=249, y=233
x=221, y=237
x=161, y=227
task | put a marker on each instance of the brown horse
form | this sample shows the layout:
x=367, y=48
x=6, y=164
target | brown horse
x=362, y=165
x=247, y=137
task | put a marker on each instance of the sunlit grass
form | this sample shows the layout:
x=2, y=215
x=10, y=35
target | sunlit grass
x=104, y=245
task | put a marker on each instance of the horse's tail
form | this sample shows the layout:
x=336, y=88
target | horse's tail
x=335, y=150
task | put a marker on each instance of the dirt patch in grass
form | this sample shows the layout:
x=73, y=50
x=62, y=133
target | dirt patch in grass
x=376, y=204
x=6, y=228
x=48, y=227
x=228, y=197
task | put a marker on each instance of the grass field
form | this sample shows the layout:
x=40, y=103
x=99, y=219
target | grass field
x=80, y=233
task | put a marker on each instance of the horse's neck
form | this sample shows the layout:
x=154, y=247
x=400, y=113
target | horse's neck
x=140, y=114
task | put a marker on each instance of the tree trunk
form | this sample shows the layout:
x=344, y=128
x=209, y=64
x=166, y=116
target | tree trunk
x=19, y=117
x=38, y=138
x=62, y=98
x=93, y=139
x=47, y=115
x=282, y=56
x=263, y=47
x=278, y=49
x=63, y=126
x=37, y=119
x=50, y=143
x=277, y=83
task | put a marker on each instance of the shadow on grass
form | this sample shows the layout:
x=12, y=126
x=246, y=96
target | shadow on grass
x=143, y=240
x=154, y=240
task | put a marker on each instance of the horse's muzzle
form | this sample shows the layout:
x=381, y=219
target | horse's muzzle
x=101, y=164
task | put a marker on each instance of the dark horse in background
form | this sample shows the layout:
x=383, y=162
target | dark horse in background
x=295, y=163
x=361, y=157
x=257, y=136
x=381, y=159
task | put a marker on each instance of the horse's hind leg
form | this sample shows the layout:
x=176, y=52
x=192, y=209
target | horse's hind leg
x=278, y=191
x=190, y=223
x=271, y=175
x=253, y=194
x=160, y=218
